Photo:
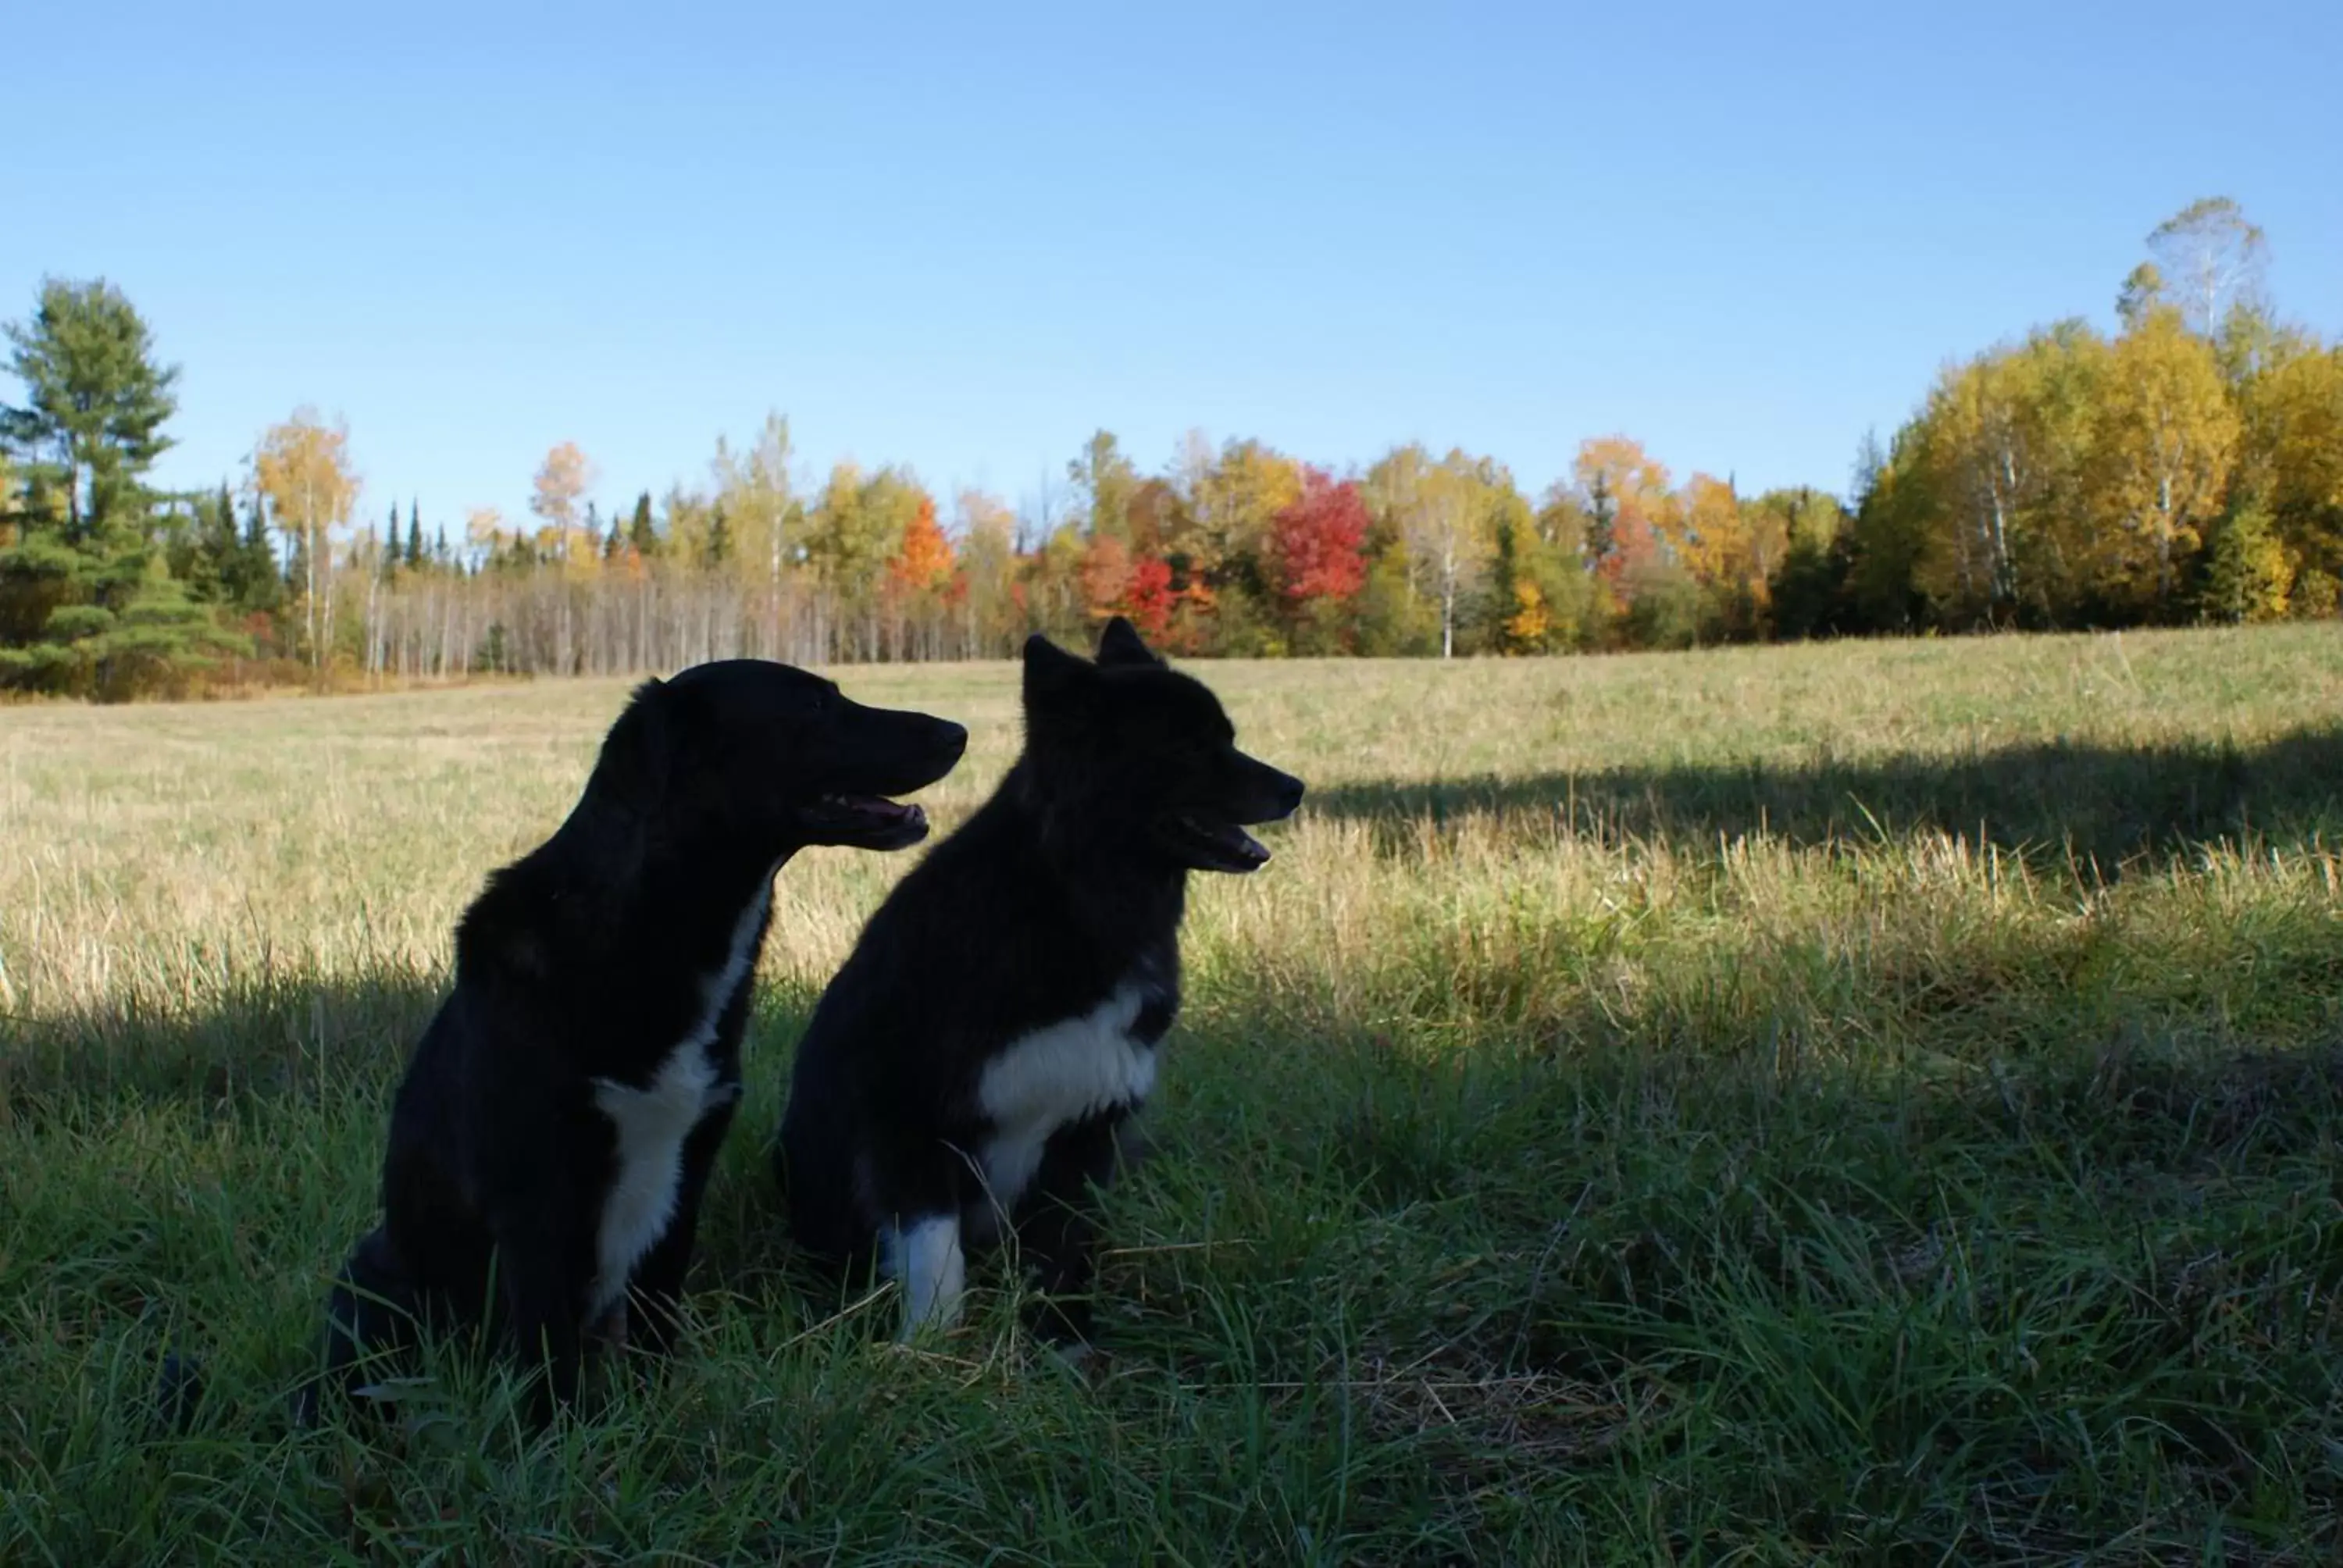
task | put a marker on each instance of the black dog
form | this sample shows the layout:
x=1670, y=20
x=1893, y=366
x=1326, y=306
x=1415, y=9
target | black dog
x=997, y=1023
x=562, y=1112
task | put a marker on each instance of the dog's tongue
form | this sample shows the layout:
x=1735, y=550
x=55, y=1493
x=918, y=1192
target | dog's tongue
x=875, y=809
x=1240, y=844
x=877, y=806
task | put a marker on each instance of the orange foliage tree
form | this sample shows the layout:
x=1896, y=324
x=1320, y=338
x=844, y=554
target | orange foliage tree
x=924, y=558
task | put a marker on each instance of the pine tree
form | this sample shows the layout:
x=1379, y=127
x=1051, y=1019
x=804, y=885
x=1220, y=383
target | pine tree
x=639, y=533
x=258, y=588
x=211, y=569
x=87, y=600
x=414, y=536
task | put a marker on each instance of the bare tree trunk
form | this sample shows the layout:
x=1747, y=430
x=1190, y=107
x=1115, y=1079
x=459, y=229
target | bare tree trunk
x=373, y=665
x=327, y=652
x=309, y=593
x=1448, y=595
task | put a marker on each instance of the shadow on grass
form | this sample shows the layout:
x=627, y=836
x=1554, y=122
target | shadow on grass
x=280, y=1036
x=1889, y=1280
x=2091, y=1294
x=2100, y=805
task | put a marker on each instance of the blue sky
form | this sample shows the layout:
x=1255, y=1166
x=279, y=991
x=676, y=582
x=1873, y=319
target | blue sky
x=964, y=240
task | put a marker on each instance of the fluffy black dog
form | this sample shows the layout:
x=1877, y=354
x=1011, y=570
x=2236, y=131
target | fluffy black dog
x=561, y=1115
x=975, y=1059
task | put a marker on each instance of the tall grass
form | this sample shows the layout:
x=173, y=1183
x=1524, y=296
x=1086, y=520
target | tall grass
x=1875, y=1103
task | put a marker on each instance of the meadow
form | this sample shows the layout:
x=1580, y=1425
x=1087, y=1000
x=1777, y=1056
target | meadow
x=1874, y=1102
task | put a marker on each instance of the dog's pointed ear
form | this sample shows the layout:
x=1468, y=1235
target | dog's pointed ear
x=1051, y=674
x=1120, y=644
x=633, y=770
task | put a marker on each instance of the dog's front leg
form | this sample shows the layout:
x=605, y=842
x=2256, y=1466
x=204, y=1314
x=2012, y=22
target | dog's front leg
x=924, y=1256
x=1056, y=1236
x=657, y=1283
x=544, y=1291
x=914, y=1183
x=370, y=1312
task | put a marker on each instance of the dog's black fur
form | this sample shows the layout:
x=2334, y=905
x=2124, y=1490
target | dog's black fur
x=602, y=988
x=1054, y=911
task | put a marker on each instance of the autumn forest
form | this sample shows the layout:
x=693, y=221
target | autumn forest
x=2188, y=468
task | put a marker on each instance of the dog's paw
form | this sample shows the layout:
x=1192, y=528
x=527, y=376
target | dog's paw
x=612, y=1328
x=179, y=1390
x=1078, y=1356
x=1061, y=1323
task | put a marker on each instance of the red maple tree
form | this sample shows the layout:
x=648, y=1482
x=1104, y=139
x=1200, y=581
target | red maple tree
x=1117, y=582
x=1318, y=541
x=1148, y=601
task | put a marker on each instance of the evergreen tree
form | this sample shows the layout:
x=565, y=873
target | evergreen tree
x=210, y=571
x=257, y=588
x=96, y=403
x=639, y=533
x=414, y=536
x=297, y=566
x=87, y=600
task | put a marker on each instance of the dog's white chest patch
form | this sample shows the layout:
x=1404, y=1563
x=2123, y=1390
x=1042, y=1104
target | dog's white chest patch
x=1060, y=1074
x=650, y=1123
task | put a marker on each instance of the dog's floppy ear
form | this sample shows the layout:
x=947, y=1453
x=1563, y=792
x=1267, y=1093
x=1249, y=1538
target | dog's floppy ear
x=633, y=770
x=1120, y=644
x=1053, y=675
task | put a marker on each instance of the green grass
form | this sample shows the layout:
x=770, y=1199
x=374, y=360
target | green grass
x=1868, y=1104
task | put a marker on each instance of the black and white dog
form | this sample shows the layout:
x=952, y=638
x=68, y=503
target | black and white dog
x=975, y=1059
x=561, y=1115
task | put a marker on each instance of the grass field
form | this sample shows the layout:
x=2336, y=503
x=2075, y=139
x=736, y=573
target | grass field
x=1863, y=1104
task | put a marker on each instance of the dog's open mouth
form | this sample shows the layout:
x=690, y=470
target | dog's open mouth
x=1210, y=844
x=870, y=821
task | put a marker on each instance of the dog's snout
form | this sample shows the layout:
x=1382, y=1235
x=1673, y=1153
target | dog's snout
x=951, y=738
x=1289, y=794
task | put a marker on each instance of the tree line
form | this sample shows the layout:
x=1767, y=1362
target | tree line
x=2188, y=468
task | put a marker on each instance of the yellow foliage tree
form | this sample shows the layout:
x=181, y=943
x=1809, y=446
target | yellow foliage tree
x=2164, y=440
x=1236, y=502
x=762, y=513
x=1708, y=535
x=2298, y=414
x=484, y=529
x=2001, y=444
x=303, y=467
x=1732, y=548
x=562, y=481
x=1531, y=621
